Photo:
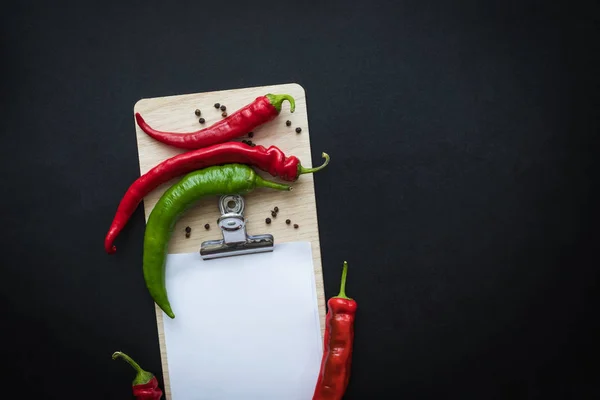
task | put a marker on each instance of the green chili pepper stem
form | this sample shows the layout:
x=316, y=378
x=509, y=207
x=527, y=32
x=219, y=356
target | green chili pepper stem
x=277, y=99
x=302, y=170
x=342, y=294
x=270, y=184
x=142, y=376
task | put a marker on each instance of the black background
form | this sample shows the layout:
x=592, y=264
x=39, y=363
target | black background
x=462, y=188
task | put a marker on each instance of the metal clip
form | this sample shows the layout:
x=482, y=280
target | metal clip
x=235, y=239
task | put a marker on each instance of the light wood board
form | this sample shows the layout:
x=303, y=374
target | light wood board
x=176, y=114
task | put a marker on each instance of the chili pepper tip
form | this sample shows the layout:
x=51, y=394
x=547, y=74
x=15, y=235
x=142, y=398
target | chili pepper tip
x=302, y=170
x=260, y=182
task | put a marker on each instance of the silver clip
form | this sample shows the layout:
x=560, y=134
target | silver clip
x=235, y=239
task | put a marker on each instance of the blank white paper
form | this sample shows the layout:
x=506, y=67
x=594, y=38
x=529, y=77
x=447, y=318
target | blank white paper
x=245, y=328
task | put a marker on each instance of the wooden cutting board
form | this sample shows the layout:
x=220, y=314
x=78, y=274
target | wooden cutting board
x=176, y=114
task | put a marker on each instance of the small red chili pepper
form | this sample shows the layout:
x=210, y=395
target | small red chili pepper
x=337, y=349
x=263, y=109
x=271, y=160
x=145, y=384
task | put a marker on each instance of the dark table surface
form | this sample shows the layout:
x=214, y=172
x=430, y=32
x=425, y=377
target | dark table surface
x=463, y=191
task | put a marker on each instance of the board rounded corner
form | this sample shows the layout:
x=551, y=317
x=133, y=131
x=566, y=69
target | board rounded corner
x=139, y=103
x=299, y=87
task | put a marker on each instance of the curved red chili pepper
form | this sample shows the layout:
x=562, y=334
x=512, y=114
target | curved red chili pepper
x=271, y=160
x=262, y=110
x=337, y=349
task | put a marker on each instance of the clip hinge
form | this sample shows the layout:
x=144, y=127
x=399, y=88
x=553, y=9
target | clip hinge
x=233, y=227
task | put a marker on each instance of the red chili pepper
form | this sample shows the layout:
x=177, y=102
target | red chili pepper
x=271, y=160
x=337, y=348
x=145, y=384
x=262, y=110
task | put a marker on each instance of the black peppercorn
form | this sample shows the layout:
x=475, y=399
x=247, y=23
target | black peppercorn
x=207, y=226
x=223, y=108
x=187, y=235
x=295, y=226
x=217, y=105
x=197, y=112
x=223, y=114
x=273, y=214
x=250, y=134
x=298, y=130
x=188, y=229
x=287, y=221
x=288, y=123
x=202, y=120
x=268, y=220
x=276, y=209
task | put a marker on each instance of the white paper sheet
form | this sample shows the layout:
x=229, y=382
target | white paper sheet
x=245, y=327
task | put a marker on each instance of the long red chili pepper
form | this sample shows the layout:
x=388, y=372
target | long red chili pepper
x=271, y=160
x=263, y=109
x=145, y=384
x=337, y=350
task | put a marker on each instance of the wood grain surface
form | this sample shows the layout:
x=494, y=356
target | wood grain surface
x=176, y=113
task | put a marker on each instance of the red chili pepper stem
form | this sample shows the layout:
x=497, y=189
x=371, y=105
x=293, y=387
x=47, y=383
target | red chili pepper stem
x=302, y=170
x=142, y=377
x=277, y=100
x=342, y=294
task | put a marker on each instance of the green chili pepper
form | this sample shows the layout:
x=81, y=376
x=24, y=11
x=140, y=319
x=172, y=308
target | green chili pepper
x=212, y=181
